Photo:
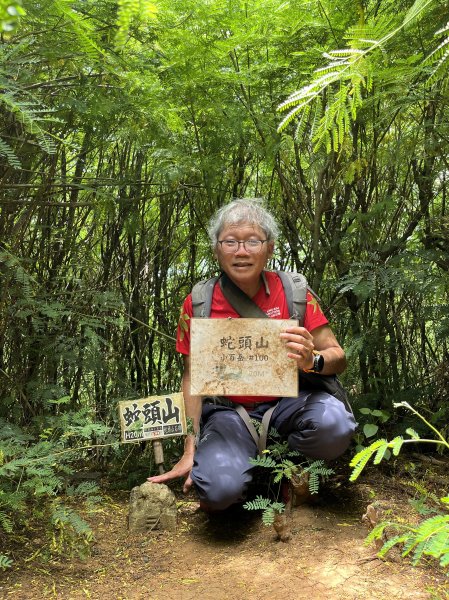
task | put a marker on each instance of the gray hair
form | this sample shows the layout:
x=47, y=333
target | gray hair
x=243, y=211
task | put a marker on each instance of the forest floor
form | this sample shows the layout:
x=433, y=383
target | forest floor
x=234, y=556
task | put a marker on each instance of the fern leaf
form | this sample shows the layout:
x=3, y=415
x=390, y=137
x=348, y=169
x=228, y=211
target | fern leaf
x=314, y=483
x=263, y=461
x=438, y=544
x=5, y=562
x=259, y=503
x=6, y=150
x=440, y=68
x=82, y=27
x=126, y=12
x=302, y=123
x=376, y=533
x=268, y=516
x=6, y=522
x=418, y=550
x=62, y=516
x=444, y=560
x=361, y=459
x=290, y=116
x=380, y=454
x=417, y=8
x=270, y=512
x=396, y=445
x=412, y=433
x=389, y=544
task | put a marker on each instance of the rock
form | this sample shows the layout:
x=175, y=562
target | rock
x=152, y=506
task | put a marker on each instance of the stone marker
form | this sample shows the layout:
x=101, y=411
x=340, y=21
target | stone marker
x=152, y=506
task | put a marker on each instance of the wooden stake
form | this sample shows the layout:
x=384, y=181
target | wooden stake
x=159, y=455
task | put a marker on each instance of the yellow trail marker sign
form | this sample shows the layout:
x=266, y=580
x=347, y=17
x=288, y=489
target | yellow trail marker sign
x=152, y=418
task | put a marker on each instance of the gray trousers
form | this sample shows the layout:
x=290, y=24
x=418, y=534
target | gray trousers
x=315, y=423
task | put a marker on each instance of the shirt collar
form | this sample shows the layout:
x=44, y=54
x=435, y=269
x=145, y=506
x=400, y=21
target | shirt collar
x=265, y=282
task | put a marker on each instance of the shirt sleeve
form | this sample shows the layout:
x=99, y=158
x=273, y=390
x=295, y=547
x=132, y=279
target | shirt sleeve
x=314, y=316
x=183, y=330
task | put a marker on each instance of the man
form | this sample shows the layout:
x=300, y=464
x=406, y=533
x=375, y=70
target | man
x=243, y=234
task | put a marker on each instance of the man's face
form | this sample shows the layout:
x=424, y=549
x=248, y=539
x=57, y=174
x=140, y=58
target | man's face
x=243, y=265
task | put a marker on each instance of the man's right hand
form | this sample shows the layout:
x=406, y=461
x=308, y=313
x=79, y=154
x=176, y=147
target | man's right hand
x=181, y=469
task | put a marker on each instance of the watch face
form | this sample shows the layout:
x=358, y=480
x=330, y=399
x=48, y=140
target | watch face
x=318, y=363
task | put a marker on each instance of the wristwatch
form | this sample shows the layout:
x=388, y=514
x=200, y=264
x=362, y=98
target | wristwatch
x=318, y=363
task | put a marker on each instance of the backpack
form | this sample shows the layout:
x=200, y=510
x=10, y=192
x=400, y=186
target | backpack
x=295, y=289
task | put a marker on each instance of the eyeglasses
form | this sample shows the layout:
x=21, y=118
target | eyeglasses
x=251, y=246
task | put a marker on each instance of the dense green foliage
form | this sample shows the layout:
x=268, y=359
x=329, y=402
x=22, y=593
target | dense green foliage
x=430, y=538
x=125, y=125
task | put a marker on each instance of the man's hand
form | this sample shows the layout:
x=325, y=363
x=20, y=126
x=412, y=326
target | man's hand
x=181, y=469
x=301, y=345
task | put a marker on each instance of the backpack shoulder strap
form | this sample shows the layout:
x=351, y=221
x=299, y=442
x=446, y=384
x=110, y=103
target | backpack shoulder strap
x=296, y=288
x=202, y=297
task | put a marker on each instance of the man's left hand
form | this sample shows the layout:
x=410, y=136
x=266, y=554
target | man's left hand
x=300, y=343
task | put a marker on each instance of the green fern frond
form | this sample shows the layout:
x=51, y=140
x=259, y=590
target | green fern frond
x=291, y=115
x=273, y=434
x=396, y=445
x=380, y=454
x=259, y=503
x=361, y=459
x=416, y=10
x=268, y=507
x=346, y=53
x=351, y=70
x=317, y=471
x=438, y=543
x=376, y=533
x=389, y=544
x=62, y=515
x=268, y=516
x=440, y=69
x=128, y=11
x=29, y=114
x=438, y=53
x=18, y=273
x=369, y=34
x=412, y=433
x=302, y=122
x=316, y=120
x=332, y=67
x=85, y=488
x=431, y=538
x=7, y=151
x=264, y=461
x=5, y=562
x=444, y=560
x=6, y=522
x=269, y=513
x=284, y=469
x=82, y=27
x=314, y=466
x=314, y=483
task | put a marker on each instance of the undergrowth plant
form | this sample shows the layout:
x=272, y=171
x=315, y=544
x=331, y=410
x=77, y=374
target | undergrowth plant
x=431, y=537
x=279, y=459
x=37, y=465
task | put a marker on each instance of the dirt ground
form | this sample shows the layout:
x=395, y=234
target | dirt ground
x=234, y=556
